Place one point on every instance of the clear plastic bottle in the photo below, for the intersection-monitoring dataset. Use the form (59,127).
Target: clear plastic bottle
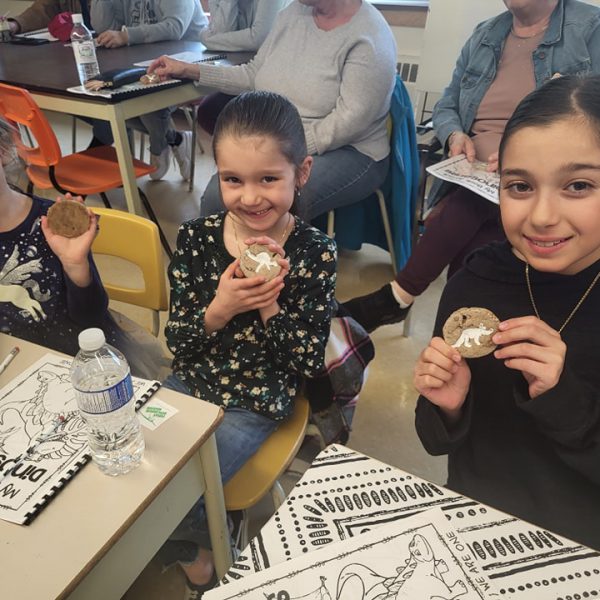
(84,49)
(102,382)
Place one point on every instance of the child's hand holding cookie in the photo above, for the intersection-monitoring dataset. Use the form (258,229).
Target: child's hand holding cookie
(531,346)
(70,229)
(443,377)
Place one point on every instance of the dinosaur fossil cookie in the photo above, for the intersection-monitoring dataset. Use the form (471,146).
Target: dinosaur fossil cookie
(68,218)
(470,331)
(259,260)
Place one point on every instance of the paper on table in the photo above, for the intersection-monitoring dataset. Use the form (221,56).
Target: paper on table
(416,557)
(130,87)
(38,34)
(43,442)
(472,176)
(154,413)
(186,57)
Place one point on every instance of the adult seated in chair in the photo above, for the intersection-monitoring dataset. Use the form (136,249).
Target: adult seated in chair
(129,22)
(335,60)
(235,26)
(505,58)
(41,12)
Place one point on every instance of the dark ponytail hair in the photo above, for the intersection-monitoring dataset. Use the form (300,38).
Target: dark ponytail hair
(263,114)
(568,97)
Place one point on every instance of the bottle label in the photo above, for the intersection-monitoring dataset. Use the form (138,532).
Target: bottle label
(105,401)
(85,52)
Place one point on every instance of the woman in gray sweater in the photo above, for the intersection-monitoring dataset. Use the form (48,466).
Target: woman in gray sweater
(335,60)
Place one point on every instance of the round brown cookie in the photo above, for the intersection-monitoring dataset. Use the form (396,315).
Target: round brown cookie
(259,260)
(149,78)
(68,218)
(470,331)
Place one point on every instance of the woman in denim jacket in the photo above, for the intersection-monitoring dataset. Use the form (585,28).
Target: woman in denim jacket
(505,58)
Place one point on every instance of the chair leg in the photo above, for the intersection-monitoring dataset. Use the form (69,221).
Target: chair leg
(194,128)
(155,323)
(388,230)
(277,494)
(74,134)
(331,224)
(407,325)
(243,533)
(105,200)
(152,216)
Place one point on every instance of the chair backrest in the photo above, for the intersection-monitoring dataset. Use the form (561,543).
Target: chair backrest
(18,107)
(264,468)
(136,240)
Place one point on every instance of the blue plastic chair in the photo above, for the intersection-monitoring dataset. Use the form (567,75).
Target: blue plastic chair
(387,223)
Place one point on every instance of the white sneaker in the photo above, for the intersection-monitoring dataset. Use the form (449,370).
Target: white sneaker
(183,155)
(161,162)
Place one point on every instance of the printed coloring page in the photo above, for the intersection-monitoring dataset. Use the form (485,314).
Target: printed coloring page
(418,558)
(43,440)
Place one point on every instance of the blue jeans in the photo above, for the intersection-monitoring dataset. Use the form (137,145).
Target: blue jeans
(156,124)
(338,178)
(239,436)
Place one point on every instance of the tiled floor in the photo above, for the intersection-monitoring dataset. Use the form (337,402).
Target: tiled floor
(383,426)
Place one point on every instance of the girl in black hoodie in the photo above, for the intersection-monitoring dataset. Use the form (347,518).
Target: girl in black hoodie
(521,426)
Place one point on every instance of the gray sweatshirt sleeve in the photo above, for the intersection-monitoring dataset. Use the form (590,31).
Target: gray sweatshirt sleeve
(233,80)
(367,82)
(177,16)
(223,32)
(174,18)
(107,15)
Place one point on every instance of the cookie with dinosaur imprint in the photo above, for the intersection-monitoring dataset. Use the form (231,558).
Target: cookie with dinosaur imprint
(470,331)
(259,260)
(68,218)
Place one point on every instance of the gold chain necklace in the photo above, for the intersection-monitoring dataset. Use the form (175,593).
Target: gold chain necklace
(286,231)
(575,308)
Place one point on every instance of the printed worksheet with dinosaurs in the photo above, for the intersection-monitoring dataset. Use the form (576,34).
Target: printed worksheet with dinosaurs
(417,558)
(472,176)
(43,441)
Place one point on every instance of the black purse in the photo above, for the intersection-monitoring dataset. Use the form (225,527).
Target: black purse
(115,78)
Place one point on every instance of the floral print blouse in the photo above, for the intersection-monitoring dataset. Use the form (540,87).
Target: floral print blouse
(247,364)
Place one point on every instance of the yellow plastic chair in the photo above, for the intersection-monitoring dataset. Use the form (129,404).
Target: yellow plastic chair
(263,470)
(136,240)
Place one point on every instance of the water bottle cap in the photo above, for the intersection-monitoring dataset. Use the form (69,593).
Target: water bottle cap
(91,339)
(77,18)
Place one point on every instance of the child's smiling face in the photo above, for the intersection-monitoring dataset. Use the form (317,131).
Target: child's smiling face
(550,195)
(257,181)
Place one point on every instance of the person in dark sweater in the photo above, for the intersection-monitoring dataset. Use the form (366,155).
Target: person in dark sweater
(521,426)
(244,343)
(49,286)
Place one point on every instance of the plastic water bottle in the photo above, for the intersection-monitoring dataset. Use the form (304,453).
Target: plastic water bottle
(84,49)
(102,382)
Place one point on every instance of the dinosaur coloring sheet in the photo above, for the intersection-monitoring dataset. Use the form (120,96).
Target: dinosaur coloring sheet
(43,440)
(418,558)
(472,176)
(346,494)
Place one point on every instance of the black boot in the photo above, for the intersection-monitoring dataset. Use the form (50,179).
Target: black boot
(376,309)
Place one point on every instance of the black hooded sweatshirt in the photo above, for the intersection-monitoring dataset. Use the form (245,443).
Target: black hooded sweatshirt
(538,459)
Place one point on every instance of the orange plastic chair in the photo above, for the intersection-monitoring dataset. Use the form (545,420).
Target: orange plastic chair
(92,171)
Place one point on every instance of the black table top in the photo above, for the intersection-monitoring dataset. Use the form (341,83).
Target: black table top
(51,67)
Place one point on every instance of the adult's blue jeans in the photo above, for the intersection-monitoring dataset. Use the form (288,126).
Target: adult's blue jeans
(156,124)
(338,178)
(239,436)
